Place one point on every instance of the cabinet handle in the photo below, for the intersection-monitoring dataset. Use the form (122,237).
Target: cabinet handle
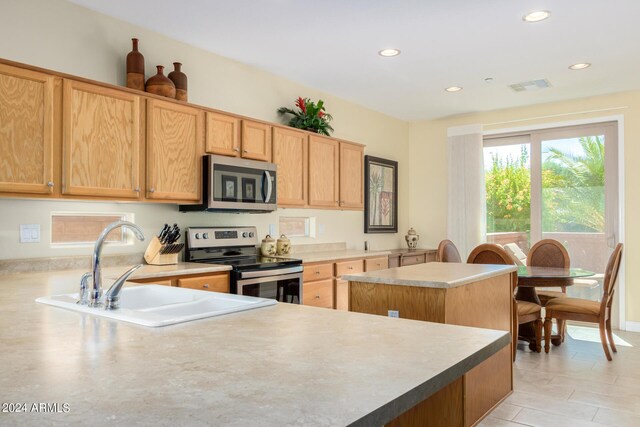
(206,286)
(50,184)
(317,296)
(317,272)
(350,267)
(152,190)
(237,150)
(137,189)
(244,151)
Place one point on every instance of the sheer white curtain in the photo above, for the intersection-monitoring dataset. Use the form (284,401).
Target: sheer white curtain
(466,222)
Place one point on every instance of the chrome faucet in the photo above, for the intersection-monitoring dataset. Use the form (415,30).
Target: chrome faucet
(112,297)
(96,289)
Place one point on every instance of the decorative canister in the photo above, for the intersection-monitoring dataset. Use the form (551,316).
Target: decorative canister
(180,80)
(412,238)
(283,245)
(161,84)
(135,68)
(268,247)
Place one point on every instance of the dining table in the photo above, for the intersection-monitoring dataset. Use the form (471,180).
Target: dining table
(530,278)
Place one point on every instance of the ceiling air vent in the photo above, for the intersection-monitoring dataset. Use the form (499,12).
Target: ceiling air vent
(530,85)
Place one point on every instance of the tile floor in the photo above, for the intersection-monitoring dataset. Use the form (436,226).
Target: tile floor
(574,385)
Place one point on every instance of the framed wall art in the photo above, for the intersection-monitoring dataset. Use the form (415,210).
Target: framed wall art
(381,195)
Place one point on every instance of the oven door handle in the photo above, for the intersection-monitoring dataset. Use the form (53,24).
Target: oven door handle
(245,282)
(269,273)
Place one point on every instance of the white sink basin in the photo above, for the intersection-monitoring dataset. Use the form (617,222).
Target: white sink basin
(156,305)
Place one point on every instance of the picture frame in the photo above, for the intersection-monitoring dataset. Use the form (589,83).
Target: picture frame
(248,190)
(229,188)
(380,195)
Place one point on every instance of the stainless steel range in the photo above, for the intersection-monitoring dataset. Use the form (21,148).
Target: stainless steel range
(251,274)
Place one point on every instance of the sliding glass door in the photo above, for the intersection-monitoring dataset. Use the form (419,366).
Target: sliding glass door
(563,186)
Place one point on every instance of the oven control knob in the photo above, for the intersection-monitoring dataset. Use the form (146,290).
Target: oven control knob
(251,234)
(245,234)
(197,235)
(205,235)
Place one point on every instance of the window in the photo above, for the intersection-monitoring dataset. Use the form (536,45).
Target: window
(297,226)
(75,228)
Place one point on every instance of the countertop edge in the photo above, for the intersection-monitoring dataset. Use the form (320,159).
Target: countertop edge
(408,400)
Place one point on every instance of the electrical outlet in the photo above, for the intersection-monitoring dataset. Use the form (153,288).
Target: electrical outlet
(272,230)
(321,230)
(29,233)
(394,313)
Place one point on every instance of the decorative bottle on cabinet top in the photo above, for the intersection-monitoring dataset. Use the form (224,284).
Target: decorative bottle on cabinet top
(412,239)
(180,80)
(135,68)
(161,84)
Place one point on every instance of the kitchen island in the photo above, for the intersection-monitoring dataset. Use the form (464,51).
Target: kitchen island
(280,365)
(452,293)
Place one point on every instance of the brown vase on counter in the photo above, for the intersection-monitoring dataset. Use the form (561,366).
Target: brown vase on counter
(161,84)
(135,68)
(179,79)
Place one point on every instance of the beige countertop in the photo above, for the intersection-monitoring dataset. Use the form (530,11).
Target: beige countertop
(321,256)
(275,366)
(159,271)
(432,274)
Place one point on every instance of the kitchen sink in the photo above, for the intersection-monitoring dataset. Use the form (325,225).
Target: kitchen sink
(156,305)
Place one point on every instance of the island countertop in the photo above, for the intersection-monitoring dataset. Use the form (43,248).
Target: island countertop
(432,274)
(280,365)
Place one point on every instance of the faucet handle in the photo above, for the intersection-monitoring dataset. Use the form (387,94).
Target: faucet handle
(112,297)
(83,296)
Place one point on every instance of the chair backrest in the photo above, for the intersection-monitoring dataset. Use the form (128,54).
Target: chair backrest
(447,252)
(548,253)
(611,276)
(489,253)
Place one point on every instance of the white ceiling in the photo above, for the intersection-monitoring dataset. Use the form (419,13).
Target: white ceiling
(332,45)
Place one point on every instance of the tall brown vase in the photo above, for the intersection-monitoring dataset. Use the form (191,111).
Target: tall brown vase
(161,84)
(180,80)
(135,68)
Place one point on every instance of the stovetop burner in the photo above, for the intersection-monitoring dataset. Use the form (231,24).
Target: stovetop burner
(252,263)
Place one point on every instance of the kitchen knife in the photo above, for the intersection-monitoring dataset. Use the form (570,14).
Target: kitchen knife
(163,233)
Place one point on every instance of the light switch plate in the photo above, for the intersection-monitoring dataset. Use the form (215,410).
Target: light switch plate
(29,233)
(272,230)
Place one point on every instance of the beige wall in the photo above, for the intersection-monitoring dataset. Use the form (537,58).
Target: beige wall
(428,145)
(61,36)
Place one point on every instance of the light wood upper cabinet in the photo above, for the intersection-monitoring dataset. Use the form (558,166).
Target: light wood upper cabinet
(26,131)
(223,134)
(101,141)
(324,154)
(256,141)
(290,153)
(351,176)
(175,143)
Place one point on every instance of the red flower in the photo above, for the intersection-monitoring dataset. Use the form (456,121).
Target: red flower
(320,114)
(301,104)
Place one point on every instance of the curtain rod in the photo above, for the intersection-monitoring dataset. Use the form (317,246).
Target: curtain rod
(556,115)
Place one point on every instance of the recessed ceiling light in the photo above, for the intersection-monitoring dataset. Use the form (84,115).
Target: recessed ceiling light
(389,52)
(580,66)
(536,16)
(453,89)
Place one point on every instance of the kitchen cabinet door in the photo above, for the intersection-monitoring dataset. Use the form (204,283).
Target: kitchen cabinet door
(101,141)
(323,172)
(26,131)
(213,283)
(342,294)
(223,134)
(351,176)
(318,294)
(175,143)
(290,153)
(256,141)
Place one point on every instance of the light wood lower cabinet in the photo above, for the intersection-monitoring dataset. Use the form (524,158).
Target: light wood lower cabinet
(101,141)
(318,294)
(373,264)
(290,153)
(342,294)
(256,141)
(215,283)
(403,257)
(223,134)
(26,131)
(175,143)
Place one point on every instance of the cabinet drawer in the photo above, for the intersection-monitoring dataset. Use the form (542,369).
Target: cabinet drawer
(165,282)
(317,272)
(217,283)
(318,294)
(373,264)
(349,267)
(413,259)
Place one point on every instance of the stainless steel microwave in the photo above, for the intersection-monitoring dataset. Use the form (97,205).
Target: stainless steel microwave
(234,185)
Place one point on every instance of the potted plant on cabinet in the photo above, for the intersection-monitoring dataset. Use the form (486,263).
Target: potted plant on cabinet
(309,116)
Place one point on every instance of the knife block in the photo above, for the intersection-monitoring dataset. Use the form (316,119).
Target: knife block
(153,256)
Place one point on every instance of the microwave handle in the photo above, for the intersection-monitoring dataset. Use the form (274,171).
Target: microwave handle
(266,177)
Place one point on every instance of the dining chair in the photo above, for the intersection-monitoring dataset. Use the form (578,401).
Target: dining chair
(549,253)
(523,311)
(587,310)
(447,252)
